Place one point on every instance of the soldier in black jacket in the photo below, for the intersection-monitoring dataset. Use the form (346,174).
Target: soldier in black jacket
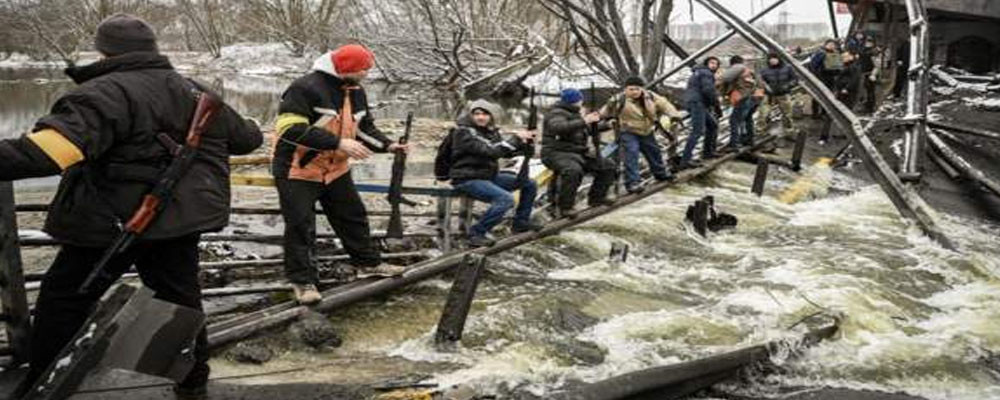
(101,136)
(476,144)
(565,136)
(323,122)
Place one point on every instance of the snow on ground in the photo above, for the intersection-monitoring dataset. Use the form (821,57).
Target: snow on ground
(983,102)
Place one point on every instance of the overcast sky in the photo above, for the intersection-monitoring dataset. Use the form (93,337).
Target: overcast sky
(798,11)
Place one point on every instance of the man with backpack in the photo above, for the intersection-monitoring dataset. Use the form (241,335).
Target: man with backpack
(780,80)
(639,112)
(827,64)
(468,158)
(702,100)
(323,121)
(565,150)
(112,139)
(743,89)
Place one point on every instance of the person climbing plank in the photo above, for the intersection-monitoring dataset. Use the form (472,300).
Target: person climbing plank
(323,122)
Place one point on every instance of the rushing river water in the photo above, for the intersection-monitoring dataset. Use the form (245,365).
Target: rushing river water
(917,318)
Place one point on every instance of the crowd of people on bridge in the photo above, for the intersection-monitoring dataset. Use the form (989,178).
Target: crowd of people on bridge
(109,139)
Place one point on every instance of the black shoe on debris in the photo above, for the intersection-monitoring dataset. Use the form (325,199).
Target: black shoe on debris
(569,213)
(691,164)
(481,241)
(527,227)
(600,202)
(664,178)
(634,188)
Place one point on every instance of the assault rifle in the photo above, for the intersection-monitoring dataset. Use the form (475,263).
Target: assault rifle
(395,229)
(529,149)
(156,200)
(595,132)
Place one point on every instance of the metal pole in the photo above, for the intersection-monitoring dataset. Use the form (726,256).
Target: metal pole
(833,19)
(12,292)
(916,96)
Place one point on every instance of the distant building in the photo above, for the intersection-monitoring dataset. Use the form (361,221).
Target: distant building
(964,33)
(782,31)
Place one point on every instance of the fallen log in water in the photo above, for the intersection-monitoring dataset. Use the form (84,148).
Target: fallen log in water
(229,331)
(963,166)
(678,380)
(952,127)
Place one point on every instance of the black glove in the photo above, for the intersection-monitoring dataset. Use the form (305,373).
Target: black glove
(718,111)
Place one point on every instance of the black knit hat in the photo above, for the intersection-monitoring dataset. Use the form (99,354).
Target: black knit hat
(634,81)
(123,33)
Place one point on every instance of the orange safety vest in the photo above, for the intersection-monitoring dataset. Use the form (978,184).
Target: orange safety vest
(328,165)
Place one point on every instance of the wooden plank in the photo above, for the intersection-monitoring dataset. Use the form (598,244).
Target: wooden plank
(906,200)
(760,177)
(12,292)
(963,166)
(459,302)
(339,297)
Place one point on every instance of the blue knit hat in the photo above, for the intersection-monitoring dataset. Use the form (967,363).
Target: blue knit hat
(570,96)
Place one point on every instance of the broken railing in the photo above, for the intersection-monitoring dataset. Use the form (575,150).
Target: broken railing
(906,200)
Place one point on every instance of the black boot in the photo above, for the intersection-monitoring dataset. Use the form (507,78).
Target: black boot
(527,227)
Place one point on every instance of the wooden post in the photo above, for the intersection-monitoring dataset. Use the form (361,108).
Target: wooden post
(760,178)
(444,222)
(465,214)
(12,292)
(463,291)
(800,148)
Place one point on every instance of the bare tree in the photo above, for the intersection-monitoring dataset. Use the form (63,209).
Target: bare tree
(300,24)
(601,39)
(208,19)
(64,27)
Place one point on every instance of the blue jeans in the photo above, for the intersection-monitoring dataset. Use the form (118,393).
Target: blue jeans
(497,193)
(702,123)
(646,144)
(741,122)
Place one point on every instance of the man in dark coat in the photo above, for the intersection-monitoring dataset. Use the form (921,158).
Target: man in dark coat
(476,145)
(780,80)
(566,152)
(323,121)
(701,97)
(102,138)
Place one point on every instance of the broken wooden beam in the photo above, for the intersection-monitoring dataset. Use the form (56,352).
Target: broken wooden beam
(459,301)
(663,382)
(963,166)
(35,207)
(959,128)
(906,200)
(760,178)
(41,239)
(226,332)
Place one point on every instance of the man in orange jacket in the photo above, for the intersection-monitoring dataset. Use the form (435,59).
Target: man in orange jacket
(323,123)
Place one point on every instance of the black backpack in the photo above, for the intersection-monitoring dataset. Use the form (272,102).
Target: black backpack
(442,162)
